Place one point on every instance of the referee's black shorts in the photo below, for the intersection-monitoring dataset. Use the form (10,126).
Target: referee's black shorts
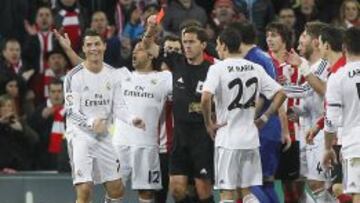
(193,151)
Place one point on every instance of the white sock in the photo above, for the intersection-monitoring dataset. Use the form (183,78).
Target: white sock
(113,200)
(250,198)
(227,201)
(324,196)
(146,200)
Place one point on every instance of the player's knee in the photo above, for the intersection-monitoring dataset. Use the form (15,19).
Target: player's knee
(316,185)
(203,188)
(83,192)
(146,194)
(178,190)
(227,195)
(115,189)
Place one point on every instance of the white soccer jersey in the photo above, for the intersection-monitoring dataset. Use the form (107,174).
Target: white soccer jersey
(311,104)
(343,107)
(320,69)
(89,96)
(145,94)
(236,84)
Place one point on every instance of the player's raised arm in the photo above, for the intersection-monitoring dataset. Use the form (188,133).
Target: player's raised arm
(65,43)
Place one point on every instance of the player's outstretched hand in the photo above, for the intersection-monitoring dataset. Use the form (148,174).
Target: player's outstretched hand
(212,128)
(151,20)
(63,40)
(310,135)
(139,123)
(100,126)
(329,159)
(293,58)
(259,123)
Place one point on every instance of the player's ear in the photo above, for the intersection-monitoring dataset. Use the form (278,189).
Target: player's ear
(203,45)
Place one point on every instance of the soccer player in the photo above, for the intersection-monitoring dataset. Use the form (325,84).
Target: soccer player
(90,101)
(145,90)
(310,109)
(237,84)
(271,134)
(342,96)
(278,38)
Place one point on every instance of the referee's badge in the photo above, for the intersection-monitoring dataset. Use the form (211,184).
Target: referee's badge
(199,87)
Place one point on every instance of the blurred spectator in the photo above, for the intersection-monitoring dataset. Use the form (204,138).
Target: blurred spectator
(279,4)
(12,16)
(120,15)
(12,66)
(349,14)
(34,5)
(223,14)
(288,18)
(70,18)
(45,121)
(39,43)
(148,10)
(134,27)
(100,24)
(41,40)
(171,43)
(23,105)
(97,5)
(11,62)
(58,65)
(17,139)
(306,12)
(125,58)
(181,10)
(260,13)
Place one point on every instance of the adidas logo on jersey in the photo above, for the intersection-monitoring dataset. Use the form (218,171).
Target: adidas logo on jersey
(203,171)
(180,80)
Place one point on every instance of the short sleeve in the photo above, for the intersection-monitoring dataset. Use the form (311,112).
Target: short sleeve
(268,86)
(212,80)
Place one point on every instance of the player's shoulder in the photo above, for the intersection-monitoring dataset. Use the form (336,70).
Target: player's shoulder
(164,74)
(121,72)
(74,72)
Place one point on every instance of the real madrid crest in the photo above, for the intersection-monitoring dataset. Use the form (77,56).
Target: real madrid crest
(108,86)
(153,81)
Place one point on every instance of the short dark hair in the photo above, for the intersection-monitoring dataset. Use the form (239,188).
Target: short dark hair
(7,40)
(172,38)
(231,38)
(314,28)
(351,40)
(283,31)
(200,33)
(189,23)
(92,33)
(334,36)
(247,31)
(56,81)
